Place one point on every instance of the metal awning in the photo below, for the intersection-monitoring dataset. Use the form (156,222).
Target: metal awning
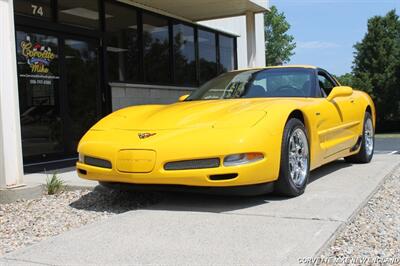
(196,10)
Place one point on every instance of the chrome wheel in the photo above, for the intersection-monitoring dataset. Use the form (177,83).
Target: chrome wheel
(298,157)
(369,136)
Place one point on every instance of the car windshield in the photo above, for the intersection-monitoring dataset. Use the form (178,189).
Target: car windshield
(272,82)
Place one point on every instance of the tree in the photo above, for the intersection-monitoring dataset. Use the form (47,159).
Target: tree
(377,66)
(346,79)
(279,45)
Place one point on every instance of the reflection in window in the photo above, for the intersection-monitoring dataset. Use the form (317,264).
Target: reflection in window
(207,56)
(79,13)
(156,48)
(34,8)
(38,77)
(280,82)
(184,55)
(226,53)
(81,69)
(122,46)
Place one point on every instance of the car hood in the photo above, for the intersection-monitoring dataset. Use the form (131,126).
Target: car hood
(235,113)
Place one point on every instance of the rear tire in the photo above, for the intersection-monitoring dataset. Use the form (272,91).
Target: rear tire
(295,160)
(367,144)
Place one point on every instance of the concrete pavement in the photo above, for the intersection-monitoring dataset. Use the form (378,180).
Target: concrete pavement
(203,229)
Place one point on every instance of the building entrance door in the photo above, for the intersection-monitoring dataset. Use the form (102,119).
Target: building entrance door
(59,93)
(82,88)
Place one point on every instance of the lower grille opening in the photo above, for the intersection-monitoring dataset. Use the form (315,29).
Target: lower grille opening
(223,177)
(193,164)
(97,162)
(83,172)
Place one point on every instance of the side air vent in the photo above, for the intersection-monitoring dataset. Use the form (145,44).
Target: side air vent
(193,164)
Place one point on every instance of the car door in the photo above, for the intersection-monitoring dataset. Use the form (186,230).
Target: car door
(339,121)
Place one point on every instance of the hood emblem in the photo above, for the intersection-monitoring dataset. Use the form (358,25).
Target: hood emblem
(146,135)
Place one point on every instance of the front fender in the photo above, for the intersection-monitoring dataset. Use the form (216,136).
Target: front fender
(277,117)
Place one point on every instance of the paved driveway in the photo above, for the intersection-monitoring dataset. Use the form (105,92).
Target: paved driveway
(387,144)
(200,229)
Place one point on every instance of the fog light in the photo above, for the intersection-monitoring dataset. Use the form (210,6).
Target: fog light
(242,158)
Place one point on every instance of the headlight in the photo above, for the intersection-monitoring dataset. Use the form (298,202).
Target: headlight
(242,158)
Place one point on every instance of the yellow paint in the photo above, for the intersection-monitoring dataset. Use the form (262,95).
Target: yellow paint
(214,129)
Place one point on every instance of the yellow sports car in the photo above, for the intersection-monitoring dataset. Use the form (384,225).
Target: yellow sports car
(246,132)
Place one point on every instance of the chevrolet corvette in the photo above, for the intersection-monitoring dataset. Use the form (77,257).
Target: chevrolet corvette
(247,132)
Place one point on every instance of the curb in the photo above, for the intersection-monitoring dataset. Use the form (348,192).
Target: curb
(35,191)
(28,192)
(343,225)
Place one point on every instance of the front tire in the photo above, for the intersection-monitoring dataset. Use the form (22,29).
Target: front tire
(295,160)
(367,144)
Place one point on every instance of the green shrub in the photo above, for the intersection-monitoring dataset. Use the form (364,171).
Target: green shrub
(54,184)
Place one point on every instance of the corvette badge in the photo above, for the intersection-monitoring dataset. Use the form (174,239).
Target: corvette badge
(145,135)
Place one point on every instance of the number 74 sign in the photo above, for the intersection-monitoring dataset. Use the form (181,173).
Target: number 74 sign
(37,10)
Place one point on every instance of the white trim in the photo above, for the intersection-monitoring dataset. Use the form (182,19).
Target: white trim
(251,39)
(261,3)
(155,10)
(11,169)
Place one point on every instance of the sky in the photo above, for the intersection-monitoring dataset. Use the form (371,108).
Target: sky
(326,30)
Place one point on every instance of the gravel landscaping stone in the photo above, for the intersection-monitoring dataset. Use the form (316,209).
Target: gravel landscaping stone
(374,233)
(29,221)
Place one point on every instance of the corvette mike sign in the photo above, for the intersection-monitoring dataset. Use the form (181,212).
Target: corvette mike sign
(37,56)
(38,59)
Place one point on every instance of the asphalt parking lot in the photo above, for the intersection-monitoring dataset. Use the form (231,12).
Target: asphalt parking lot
(387,145)
(187,229)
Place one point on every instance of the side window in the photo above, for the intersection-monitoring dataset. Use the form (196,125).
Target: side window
(257,86)
(325,84)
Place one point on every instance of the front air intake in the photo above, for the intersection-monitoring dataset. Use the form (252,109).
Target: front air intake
(97,162)
(223,177)
(193,164)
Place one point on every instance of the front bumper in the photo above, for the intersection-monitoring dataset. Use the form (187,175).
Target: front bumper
(180,145)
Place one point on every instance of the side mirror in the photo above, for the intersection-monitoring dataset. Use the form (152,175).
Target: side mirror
(340,91)
(183,97)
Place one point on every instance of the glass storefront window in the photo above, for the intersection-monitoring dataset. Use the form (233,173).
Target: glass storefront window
(156,49)
(38,86)
(122,43)
(81,69)
(184,55)
(34,8)
(148,53)
(83,14)
(207,55)
(226,53)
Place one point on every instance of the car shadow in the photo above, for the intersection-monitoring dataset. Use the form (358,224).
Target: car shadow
(102,199)
(119,201)
(327,169)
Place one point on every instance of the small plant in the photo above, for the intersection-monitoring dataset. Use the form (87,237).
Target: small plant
(54,184)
